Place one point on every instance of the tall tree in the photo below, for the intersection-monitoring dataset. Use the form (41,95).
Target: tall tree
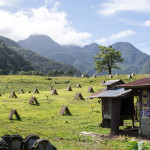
(107,59)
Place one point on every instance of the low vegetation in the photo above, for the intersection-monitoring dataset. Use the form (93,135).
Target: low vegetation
(44,120)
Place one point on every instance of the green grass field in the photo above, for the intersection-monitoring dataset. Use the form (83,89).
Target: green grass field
(63,131)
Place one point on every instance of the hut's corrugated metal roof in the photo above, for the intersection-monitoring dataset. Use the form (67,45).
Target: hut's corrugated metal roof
(117,92)
(110,82)
(136,84)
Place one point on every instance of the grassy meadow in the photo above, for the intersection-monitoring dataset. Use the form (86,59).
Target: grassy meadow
(63,131)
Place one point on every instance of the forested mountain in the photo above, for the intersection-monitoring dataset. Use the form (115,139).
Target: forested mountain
(82,57)
(73,55)
(11,61)
(41,44)
(39,62)
(134,60)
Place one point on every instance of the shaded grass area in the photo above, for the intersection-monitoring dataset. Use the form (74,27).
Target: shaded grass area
(45,121)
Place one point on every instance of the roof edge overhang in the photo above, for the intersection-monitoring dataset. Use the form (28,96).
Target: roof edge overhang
(133,87)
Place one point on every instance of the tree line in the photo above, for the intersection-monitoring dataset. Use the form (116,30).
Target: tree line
(52,73)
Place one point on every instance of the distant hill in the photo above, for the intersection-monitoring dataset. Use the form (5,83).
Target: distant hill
(42,44)
(11,61)
(82,57)
(134,60)
(39,62)
(73,55)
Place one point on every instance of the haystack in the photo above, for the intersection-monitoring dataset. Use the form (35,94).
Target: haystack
(94,76)
(64,110)
(21,91)
(110,76)
(54,92)
(78,85)
(82,76)
(103,82)
(51,88)
(79,96)
(12,94)
(12,113)
(129,76)
(90,90)
(32,100)
(69,88)
(35,91)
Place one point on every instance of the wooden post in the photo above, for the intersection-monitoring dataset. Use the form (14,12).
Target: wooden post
(115,116)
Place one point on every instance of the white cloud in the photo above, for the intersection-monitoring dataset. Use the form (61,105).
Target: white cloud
(9,2)
(115,37)
(147,23)
(113,6)
(52,22)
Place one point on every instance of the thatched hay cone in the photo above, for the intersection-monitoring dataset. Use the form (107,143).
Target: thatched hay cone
(90,90)
(78,85)
(54,92)
(79,96)
(69,88)
(21,91)
(12,94)
(64,110)
(32,100)
(12,113)
(35,91)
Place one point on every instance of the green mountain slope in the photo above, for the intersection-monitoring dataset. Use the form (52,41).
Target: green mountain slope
(39,62)
(10,60)
(82,57)
(134,60)
(73,55)
(42,44)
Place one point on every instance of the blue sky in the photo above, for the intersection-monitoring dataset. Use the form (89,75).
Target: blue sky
(78,22)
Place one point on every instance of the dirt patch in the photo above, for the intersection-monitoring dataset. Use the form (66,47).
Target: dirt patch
(123,136)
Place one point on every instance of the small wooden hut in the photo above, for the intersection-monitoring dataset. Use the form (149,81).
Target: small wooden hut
(117,105)
(141,89)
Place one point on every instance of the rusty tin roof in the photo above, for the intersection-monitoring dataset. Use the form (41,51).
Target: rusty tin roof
(145,82)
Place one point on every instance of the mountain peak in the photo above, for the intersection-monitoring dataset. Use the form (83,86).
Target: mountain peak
(41,44)
(125,46)
(34,36)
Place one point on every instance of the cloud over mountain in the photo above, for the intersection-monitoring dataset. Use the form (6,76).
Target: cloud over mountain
(43,20)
